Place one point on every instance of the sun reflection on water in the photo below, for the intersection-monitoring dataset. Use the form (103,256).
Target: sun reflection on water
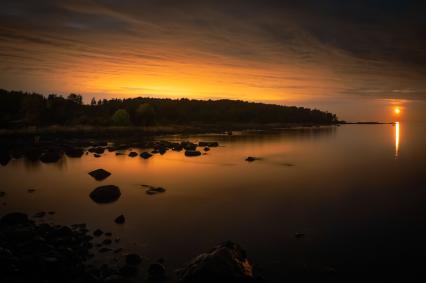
(396,139)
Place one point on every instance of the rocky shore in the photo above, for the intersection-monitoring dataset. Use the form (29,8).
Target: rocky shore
(31,252)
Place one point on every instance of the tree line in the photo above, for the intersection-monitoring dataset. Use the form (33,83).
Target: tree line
(20,109)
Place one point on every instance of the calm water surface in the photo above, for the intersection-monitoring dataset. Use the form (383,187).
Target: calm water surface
(357,192)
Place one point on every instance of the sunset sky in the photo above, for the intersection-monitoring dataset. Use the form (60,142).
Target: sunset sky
(359,59)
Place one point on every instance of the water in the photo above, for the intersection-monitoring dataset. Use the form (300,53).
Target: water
(357,192)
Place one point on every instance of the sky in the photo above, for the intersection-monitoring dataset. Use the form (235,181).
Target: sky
(358,59)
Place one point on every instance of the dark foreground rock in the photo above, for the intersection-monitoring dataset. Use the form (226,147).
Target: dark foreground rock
(120,219)
(100,174)
(105,194)
(227,262)
(31,252)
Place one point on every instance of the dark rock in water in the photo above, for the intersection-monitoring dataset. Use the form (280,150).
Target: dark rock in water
(14,218)
(2,194)
(119,153)
(251,159)
(154,190)
(4,158)
(157,272)
(98,150)
(145,155)
(227,262)
(40,214)
(206,148)
(188,145)
(31,191)
(133,259)
(208,144)
(50,212)
(108,234)
(120,219)
(99,174)
(133,154)
(105,194)
(299,235)
(50,157)
(192,153)
(97,232)
(97,155)
(74,152)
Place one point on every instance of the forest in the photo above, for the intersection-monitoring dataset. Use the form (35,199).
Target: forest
(21,109)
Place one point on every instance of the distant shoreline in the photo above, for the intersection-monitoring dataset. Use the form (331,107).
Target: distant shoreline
(161,130)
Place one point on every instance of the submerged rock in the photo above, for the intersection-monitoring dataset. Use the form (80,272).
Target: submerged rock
(208,144)
(145,155)
(105,194)
(251,159)
(154,190)
(227,262)
(192,153)
(133,154)
(120,219)
(50,157)
(100,174)
(74,152)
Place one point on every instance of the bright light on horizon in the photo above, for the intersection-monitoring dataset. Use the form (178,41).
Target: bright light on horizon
(397,110)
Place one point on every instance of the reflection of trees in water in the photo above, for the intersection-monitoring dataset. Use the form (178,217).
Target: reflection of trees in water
(301,133)
(34,166)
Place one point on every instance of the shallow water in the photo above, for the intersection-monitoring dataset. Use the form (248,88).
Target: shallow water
(357,192)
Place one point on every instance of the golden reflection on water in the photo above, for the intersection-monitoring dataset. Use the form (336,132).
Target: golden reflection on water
(396,139)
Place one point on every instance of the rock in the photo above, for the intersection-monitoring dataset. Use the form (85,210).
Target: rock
(154,190)
(188,145)
(74,152)
(208,144)
(206,148)
(133,259)
(299,235)
(145,155)
(192,153)
(2,194)
(50,157)
(99,174)
(50,212)
(108,234)
(98,150)
(31,190)
(104,250)
(120,219)
(97,155)
(97,232)
(251,159)
(157,271)
(15,218)
(105,194)
(227,262)
(39,214)
(133,154)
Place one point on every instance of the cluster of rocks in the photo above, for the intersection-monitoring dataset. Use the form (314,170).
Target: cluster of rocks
(31,252)
(53,151)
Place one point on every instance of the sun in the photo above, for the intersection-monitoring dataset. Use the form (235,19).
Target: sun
(397,110)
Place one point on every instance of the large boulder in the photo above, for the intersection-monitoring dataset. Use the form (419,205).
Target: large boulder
(227,262)
(105,194)
(99,174)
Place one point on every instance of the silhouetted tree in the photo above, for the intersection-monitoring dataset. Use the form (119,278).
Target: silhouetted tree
(121,118)
(145,115)
(93,102)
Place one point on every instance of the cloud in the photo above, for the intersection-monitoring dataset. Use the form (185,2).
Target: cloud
(254,49)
